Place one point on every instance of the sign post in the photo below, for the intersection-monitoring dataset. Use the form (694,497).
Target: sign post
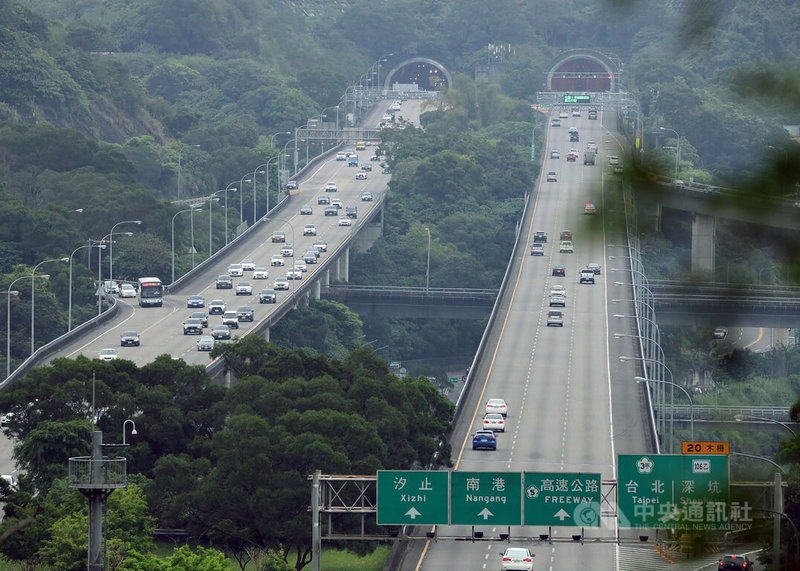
(562,499)
(485,498)
(412,497)
(672,491)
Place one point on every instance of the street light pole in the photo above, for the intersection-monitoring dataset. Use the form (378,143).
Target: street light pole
(33,293)
(9,292)
(533,142)
(241,197)
(428,268)
(672,414)
(69,311)
(677,150)
(111,249)
(256,171)
(276,157)
(133,430)
(226,208)
(210,200)
(192,209)
(180,152)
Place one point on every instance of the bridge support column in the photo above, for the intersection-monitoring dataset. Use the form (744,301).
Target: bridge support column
(315,289)
(265,334)
(345,275)
(336,272)
(326,278)
(703,232)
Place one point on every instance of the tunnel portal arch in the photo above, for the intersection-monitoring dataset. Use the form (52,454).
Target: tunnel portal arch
(583,70)
(425,73)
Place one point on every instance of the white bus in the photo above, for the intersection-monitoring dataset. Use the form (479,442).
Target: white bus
(151,292)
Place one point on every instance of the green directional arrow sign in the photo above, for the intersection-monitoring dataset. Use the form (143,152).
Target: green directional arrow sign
(485,498)
(562,499)
(412,497)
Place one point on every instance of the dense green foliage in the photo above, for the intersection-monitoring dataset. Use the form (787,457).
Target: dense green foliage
(290,413)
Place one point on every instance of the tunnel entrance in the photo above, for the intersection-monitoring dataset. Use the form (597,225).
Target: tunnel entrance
(586,71)
(418,73)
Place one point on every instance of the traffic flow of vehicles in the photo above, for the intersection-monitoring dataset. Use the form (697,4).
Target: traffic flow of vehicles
(151,292)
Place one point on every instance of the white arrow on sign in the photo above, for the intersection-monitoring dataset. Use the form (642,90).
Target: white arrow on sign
(485,513)
(561,514)
(412,513)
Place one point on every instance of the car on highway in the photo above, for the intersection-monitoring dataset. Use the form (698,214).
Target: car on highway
(245,313)
(277,260)
(224,281)
(720,332)
(366,167)
(374,157)
(558,289)
(341,157)
(221,332)
(484,439)
(323,199)
(193,326)
(366,196)
(572,156)
(736,563)
(589,208)
(287,251)
(336,202)
(555,122)
(267,295)
(345,222)
(386,170)
(576,112)
(108,355)
(230,319)
(216,307)
(618,169)
(310,230)
(555,154)
(498,406)
(591,146)
(321,245)
(111,286)
(494,422)
(516,559)
(361,175)
(205,343)
(278,236)
(244,288)
(260,274)
(540,236)
(280,283)
(565,235)
(331,211)
(586,276)
(301,265)
(195,301)
(594,266)
(563,115)
(552,176)
(129,339)
(613,160)
(235,270)
(127,290)
(559,271)
(314,250)
(566,247)
(309,258)
(248,265)
(294,274)
(557,301)
(537,249)
(555,318)
(330,187)
(291,185)
(306,211)
(201,315)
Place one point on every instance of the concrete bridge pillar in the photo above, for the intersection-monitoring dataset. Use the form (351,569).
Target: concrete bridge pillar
(345,275)
(266,333)
(326,278)
(336,269)
(315,289)
(703,232)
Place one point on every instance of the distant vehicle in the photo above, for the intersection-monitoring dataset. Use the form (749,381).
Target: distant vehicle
(314,250)
(592,146)
(195,301)
(336,202)
(595,267)
(566,247)
(267,296)
(555,318)
(127,290)
(555,122)
(111,287)
(321,245)
(516,559)
(592,114)
(260,274)
(498,406)
(216,307)
(540,236)
(330,187)
(292,186)
(586,276)
(558,289)
(613,160)
(572,156)
(248,265)
(236,270)
(301,265)
(323,199)
(537,249)
(341,157)
(484,439)
(720,332)
(331,211)
(287,251)
(736,563)
(563,115)
(361,175)
(202,316)
(245,313)
(277,260)
(565,235)
(280,283)
(231,319)
(555,155)
(361,146)
(352,161)
(588,158)
(108,355)
(494,422)
(345,222)
(366,167)
(310,258)
(557,301)
(278,236)
(205,343)
(129,339)
(244,288)
(193,326)
(309,230)
(221,332)
(559,271)
(351,211)
(224,282)
(552,176)
(151,292)
(618,169)
(306,211)
(374,157)
(576,112)
(589,208)
(294,274)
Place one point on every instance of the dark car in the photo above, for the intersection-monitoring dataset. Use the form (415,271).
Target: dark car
(306,210)
(193,327)
(540,236)
(267,296)
(202,316)
(129,339)
(224,282)
(279,236)
(331,211)
(484,439)
(196,301)
(221,332)
(736,562)
(245,313)
(559,271)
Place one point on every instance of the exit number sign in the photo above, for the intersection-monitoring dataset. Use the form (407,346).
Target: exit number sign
(706,448)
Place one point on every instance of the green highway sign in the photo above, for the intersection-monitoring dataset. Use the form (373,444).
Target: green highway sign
(673,491)
(562,499)
(412,497)
(485,498)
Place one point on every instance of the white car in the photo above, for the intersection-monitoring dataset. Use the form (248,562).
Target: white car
(127,290)
(336,202)
(294,274)
(361,175)
(330,187)
(287,251)
(558,290)
(244,288)
(108,354)
(309,230)
(260,274)
(341,157)
(516,558)
(563,115)
(235,270)
(300,265)
(321,245)
(277,260)
(613,160)
(497,406)
(495,422)
(248,265)
(280,283)
(345,222)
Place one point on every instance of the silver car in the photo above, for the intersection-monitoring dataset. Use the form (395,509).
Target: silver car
(244,288)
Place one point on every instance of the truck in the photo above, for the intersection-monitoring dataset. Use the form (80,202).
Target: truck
(588,157)
(352,161)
